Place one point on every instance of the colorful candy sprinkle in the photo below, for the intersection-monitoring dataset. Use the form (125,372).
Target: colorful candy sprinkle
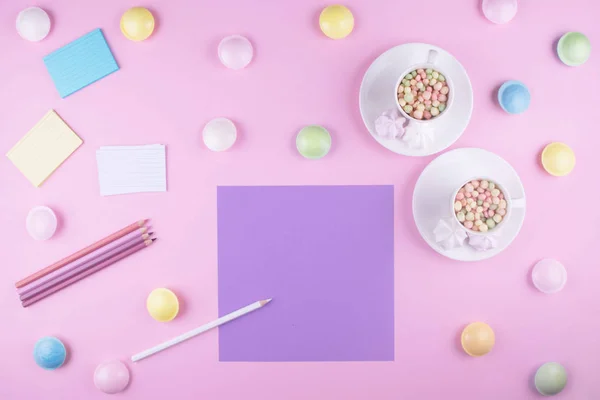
(480,205)
(423,93)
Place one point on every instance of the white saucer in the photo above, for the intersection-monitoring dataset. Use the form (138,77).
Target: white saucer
(431,198)
(377,95)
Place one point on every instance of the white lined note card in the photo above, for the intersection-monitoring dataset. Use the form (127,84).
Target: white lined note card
(131,169)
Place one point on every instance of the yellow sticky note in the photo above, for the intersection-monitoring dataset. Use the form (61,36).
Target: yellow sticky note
(44,148)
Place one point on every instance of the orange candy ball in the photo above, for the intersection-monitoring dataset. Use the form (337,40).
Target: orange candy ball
(477,339)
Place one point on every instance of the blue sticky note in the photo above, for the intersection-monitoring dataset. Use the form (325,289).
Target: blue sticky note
(80,63)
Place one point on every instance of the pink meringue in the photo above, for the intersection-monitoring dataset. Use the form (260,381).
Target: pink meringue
(390,124)
(483,242)
(450,235)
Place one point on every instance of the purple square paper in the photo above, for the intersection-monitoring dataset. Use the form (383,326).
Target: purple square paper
(325,254)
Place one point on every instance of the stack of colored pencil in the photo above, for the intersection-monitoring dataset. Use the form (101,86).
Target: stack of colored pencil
(85,262)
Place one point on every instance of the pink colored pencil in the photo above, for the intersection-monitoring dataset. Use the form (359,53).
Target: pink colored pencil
(81,253)
(88,272)
(76,267)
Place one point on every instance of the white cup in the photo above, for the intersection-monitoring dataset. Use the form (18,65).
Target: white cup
(510,204)
(429,63)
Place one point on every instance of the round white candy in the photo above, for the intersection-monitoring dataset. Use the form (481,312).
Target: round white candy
(499,11)
(549,276)
(33,24)
(235,52)
(219,134)
(41,223)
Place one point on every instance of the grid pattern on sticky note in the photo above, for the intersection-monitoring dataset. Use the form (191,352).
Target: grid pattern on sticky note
(44,148)
(80,63)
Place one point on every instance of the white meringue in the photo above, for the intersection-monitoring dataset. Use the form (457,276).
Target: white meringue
(448,234)
(418,136)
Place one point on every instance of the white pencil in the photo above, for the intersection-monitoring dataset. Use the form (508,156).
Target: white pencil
(201,329)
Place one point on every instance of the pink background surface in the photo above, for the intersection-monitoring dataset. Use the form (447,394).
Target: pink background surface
(171,85)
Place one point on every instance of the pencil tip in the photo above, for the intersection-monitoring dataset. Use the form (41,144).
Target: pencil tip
(263,302)
(153,239)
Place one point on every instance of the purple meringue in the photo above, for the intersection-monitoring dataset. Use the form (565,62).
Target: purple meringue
(390,124)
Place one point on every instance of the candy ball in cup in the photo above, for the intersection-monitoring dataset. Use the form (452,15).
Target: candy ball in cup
(423,93)
(480,205)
